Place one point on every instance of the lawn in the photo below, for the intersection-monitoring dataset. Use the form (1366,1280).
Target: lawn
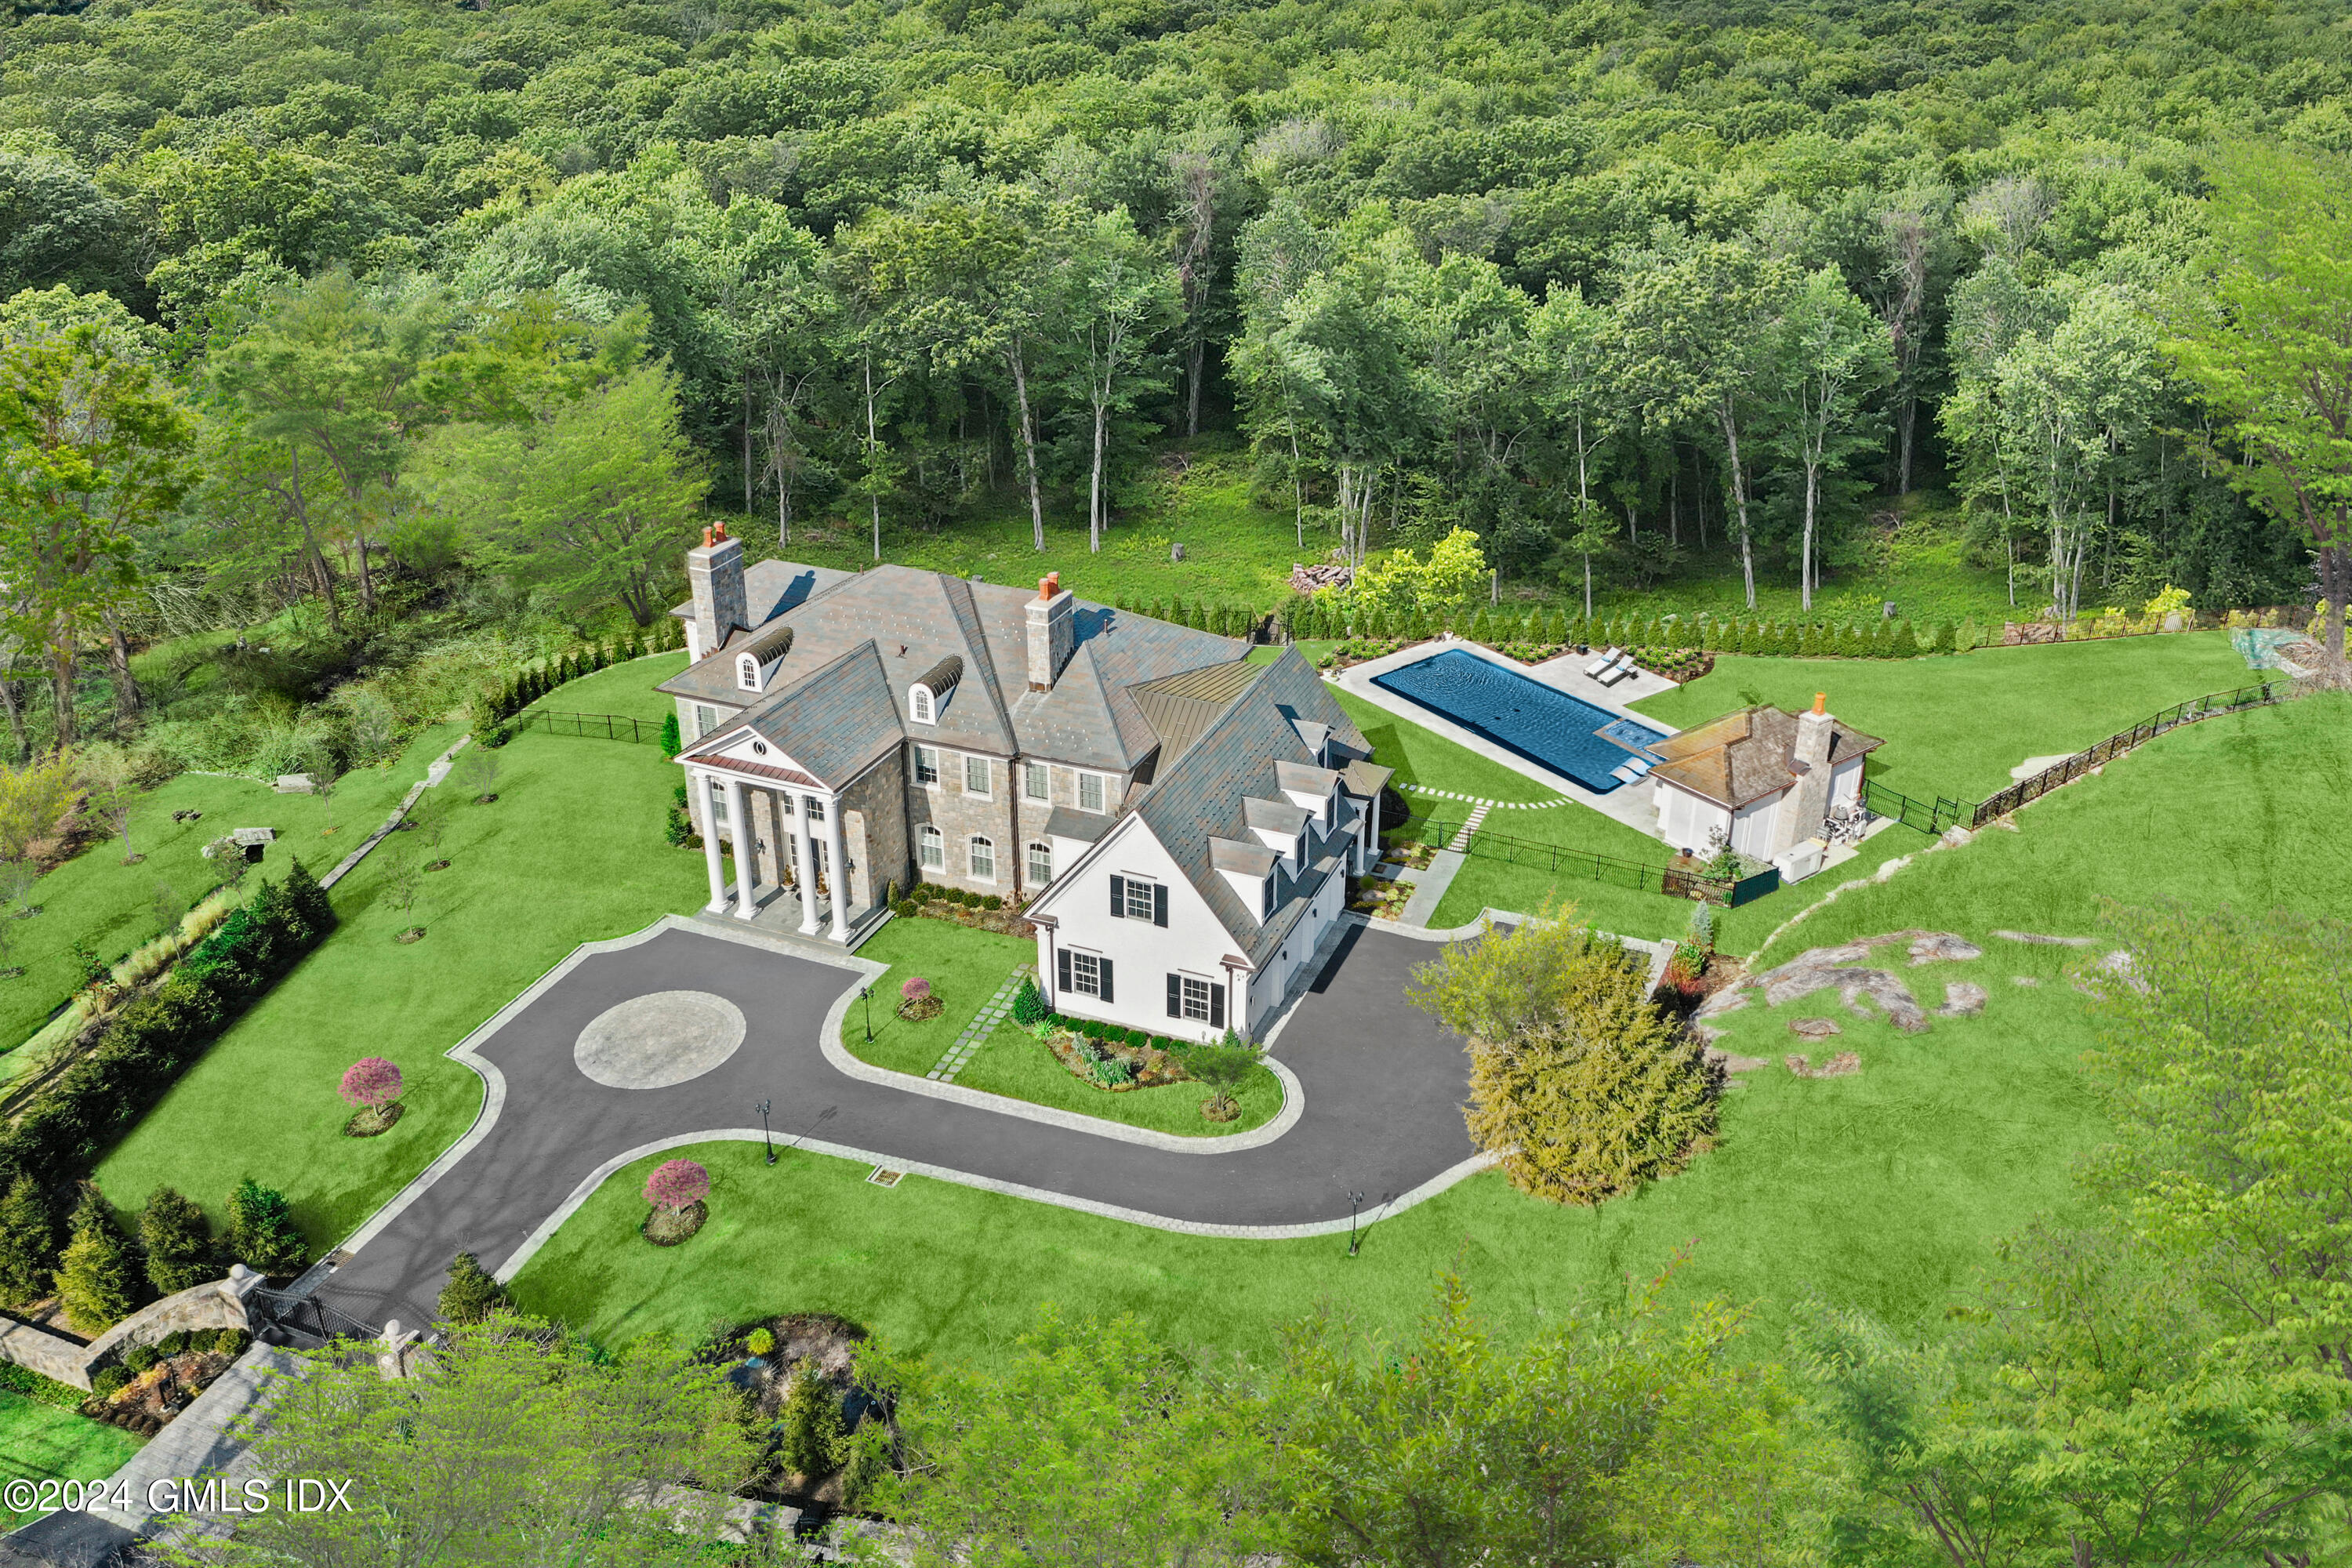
(1235,551)
(625,689)
(1955,726)
(41,1442)
(965,967)
(570,852)
(1884,1189)
(1955,1137)
(95,898)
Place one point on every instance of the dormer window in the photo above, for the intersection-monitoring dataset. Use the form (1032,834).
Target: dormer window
(930,691)
(922,706)
(747,673)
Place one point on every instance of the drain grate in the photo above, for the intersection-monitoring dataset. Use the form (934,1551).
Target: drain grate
(884,1177)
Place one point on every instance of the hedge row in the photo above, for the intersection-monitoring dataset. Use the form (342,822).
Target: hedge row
(1322,619)
(1224,620)
(666,633)
(144,1047)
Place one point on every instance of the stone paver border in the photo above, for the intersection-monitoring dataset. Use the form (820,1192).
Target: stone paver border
(993,1012)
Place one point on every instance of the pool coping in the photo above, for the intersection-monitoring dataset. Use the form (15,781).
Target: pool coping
(1632,805)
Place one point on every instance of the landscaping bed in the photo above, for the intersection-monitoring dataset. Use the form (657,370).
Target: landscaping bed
(1379,897)
(1014,1063)
(153,1384)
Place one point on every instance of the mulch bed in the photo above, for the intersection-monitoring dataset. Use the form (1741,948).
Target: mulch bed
(922,1009)
(1004,923)
(374,1121)
(668,1227)
(161,1392)
(1154,1069)
(806,1342)
(414,933)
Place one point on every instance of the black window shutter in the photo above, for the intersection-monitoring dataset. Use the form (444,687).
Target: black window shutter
(1117,897)
(1217,1004)
(1159,904)
(1175,995)
(1063,955)
(1106,980)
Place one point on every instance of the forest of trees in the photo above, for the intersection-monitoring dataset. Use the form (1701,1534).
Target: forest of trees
(1624,290)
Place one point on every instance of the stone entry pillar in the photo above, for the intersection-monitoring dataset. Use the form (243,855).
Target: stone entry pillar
(747,854)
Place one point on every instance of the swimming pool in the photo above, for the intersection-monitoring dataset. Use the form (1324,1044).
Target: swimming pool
(1545,725)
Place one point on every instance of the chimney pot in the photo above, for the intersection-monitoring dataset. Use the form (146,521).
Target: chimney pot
(1821,701)
(706,541)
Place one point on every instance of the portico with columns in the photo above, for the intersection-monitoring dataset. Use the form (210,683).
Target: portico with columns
(795,832)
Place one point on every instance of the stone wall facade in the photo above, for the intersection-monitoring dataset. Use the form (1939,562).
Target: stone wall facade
(216,1304)
(874,832)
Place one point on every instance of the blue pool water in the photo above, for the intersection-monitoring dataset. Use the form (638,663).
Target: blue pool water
(1546,726)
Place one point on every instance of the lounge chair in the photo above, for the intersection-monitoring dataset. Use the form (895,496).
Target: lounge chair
(1592,671)
(1618,671)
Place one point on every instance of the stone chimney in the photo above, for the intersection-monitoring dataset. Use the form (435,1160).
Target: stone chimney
(1808,802)
(1052,631)
(715,569)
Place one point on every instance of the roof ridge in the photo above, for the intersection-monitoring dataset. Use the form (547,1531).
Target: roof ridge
(958,593)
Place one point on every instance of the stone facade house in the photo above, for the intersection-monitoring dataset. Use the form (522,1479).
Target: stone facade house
(1764,778)
(850,732)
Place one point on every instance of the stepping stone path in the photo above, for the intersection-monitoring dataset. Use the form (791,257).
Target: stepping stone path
(995,1011)
(1480,799)
(1461,845)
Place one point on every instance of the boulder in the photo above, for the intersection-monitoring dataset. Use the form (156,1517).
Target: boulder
(1962,1000)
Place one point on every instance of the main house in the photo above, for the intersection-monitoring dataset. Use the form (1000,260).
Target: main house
(1180,823)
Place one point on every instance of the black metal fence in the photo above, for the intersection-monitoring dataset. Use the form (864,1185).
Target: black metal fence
(1929,817)
(1586,865)
(2211,706)
(305,1320)
(599,726)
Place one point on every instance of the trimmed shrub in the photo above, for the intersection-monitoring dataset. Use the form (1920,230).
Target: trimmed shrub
(142,1359)
(1905,643)
(1948,638)
(98,1278)
(759,1342)
(29,1243)
(261,1231)
(990,901)
(108,1380)
(178,1242)
(811,1441)
(232,1341)
(173,1345)
(672,742)
(1028,1004)
(471,1294)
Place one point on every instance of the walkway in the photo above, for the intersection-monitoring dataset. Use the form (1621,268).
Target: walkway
(993,1012)
(1376,1110)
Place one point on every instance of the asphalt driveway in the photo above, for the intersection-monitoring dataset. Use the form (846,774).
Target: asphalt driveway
(1382,1086)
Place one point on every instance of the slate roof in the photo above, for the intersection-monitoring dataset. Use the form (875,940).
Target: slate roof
(915,620)
(772,587)
(1204,795)
(1068,822)
(834,722)
(1745,755)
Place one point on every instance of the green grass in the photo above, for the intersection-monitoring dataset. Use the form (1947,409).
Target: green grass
(1956,1136)
(1957,726)
(965,967)
(1014,1062)
(570,852)
(95,898)
(1884,1190)
(40,1442)
(625,689)
(1235,551)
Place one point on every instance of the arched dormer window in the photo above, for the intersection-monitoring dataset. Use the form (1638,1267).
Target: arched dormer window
(930,691)
(747,673)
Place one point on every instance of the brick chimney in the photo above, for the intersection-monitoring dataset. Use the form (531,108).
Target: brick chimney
(1807,804)
(715,569)
(1052,631)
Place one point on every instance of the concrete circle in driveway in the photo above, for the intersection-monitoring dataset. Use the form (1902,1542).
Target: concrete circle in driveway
(661,1038)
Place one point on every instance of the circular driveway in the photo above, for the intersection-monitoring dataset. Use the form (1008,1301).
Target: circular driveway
(1383,1089)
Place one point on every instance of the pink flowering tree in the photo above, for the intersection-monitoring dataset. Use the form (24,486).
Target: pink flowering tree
(677,1184)
(916,988)
(371,1081)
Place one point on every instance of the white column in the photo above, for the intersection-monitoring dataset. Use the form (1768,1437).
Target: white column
(804,852)
(700,782)
(747,854)
(839,874)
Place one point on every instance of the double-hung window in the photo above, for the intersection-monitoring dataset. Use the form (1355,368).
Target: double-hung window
(1090,792)
(1085,973)
(705,721)
(983,859)
(1196,1001)
(1266,899)
(927,764)
(1133,899)
(1034,781)
(931,849)
(1041,863)
(975,776)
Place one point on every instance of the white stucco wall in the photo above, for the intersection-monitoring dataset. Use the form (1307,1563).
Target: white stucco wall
(1846,783)
(1193,943)
(1751,826)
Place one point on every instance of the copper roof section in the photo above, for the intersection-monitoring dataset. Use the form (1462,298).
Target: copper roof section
(759,771)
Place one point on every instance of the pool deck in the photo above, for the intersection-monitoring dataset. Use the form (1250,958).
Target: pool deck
(1631,804)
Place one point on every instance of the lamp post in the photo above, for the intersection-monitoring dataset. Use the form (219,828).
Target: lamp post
(865,995)
(1354,1199)
(765,1136)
